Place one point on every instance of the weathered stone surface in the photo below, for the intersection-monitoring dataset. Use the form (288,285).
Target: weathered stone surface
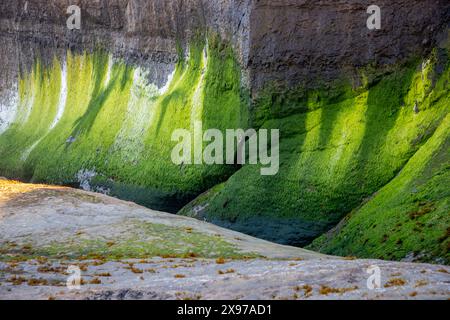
(161,279)
(289,41)
(33,216)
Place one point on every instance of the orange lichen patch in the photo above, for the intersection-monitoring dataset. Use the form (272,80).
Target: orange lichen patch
(98,263)
(168,256)
(196,297)
(220,261)
(247,258)
(188,230)
(413,294)
(103,274)
(325,290)
(421,283)
(83,266)
(96,256)
(51,298)
(186,296)
(395,282)
(17,281)
(49,269)
(443,270)
(95,281)
(306,288)
(136,270)
(42,260)
(226,271)
(190,255)
(179,276)
(37,282)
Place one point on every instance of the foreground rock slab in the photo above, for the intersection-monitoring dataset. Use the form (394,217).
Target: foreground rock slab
(45,230)
(205,279)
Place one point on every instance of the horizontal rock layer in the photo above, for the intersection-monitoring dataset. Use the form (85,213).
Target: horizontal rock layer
(288,41)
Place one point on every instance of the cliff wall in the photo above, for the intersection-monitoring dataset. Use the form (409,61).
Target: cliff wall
(358,110)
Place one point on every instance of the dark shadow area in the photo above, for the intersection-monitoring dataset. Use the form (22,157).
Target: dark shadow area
(176,96)
(86,121)
(100,95)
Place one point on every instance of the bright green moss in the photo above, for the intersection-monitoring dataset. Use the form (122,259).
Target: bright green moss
(409,217)
(118,127)
(39,97)
(333,155)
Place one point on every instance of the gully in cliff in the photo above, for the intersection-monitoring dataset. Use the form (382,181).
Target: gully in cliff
(234,140)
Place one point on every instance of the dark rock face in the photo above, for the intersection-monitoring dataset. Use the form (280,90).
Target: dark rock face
(289,41)
(297,41)
(141,31)
(293,232)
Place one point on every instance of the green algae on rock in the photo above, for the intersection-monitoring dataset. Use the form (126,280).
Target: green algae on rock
(95,121)
(336,151)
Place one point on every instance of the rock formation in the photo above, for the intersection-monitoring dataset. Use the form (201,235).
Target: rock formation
(363,114)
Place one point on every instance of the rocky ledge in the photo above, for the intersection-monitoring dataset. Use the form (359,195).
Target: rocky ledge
(124,251)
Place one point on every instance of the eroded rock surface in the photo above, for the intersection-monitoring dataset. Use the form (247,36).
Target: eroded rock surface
(287,41)
(46,229)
